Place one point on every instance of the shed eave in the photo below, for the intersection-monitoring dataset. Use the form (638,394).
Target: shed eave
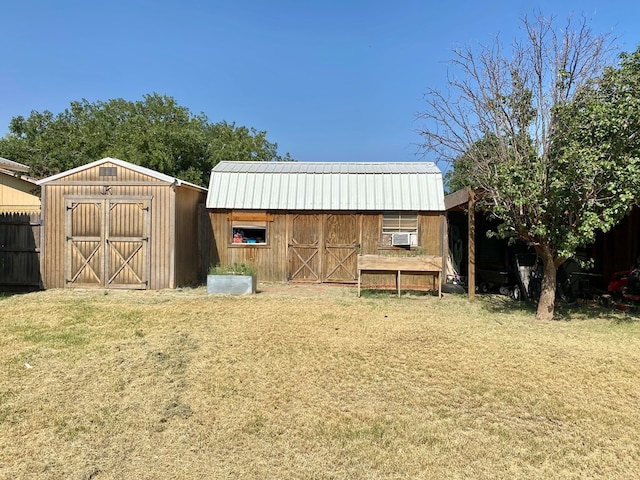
(13,166)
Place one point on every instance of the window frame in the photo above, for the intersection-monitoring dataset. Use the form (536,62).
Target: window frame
(402,219)
(255,221)
(239,225)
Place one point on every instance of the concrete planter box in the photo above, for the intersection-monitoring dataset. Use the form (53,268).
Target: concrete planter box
(231,284)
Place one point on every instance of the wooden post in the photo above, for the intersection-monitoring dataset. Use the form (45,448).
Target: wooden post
(471,273)
(444,252)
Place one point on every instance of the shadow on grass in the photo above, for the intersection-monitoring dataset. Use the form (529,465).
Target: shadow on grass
(8,291)
(5,295)
(589,310)
(504,304)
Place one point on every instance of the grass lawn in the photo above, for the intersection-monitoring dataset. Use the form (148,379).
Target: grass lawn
(313,383)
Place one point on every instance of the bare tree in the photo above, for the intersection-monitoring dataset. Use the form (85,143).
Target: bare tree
(498,117)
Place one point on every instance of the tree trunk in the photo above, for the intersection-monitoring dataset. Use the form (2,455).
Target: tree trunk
(547,302)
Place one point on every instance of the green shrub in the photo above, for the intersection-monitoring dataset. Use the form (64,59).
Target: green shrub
(233,269)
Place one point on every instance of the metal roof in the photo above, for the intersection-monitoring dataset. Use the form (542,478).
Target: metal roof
(121,163)
(408,186)
(14,166)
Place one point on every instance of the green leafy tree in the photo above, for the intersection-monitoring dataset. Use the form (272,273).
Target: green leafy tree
(600,146)
(155,132)
(510,116)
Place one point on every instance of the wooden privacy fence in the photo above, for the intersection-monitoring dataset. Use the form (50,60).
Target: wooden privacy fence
(20,251)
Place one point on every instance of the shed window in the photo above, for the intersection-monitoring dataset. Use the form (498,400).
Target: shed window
(248,234)
(395,222)
(249,227)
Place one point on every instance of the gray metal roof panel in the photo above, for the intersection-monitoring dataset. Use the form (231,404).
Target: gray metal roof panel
(327,167)
(326,186)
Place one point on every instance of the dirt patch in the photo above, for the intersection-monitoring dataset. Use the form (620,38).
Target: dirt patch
(334,290)
(307,289)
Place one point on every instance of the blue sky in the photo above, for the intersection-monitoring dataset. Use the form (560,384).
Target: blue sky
(328,80)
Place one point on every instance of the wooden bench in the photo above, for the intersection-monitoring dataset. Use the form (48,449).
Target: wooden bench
(421,264)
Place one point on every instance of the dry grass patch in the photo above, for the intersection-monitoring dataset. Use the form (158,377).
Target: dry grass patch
(312,382)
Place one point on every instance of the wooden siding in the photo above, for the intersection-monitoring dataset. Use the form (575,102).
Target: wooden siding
(17,195)
(123,176)
(107,241)
(342,233)
(335,237)
(270,260)
(430,230)
(304,246)
(20,251)
(187,256)
(53,214)
(206,242)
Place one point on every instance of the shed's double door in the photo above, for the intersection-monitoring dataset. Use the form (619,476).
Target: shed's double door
(323,247)
(107,242)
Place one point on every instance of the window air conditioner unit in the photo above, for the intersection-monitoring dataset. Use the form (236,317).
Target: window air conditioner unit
(401,239)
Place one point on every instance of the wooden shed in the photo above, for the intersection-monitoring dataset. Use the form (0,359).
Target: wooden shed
(113,224)
(308,222)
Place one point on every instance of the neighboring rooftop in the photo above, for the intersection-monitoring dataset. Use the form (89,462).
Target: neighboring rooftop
(13,166)
(401,186)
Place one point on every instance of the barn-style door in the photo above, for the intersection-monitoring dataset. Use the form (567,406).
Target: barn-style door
(341,245)
(126,242)
(323,247)
(304,248)
(107,242)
